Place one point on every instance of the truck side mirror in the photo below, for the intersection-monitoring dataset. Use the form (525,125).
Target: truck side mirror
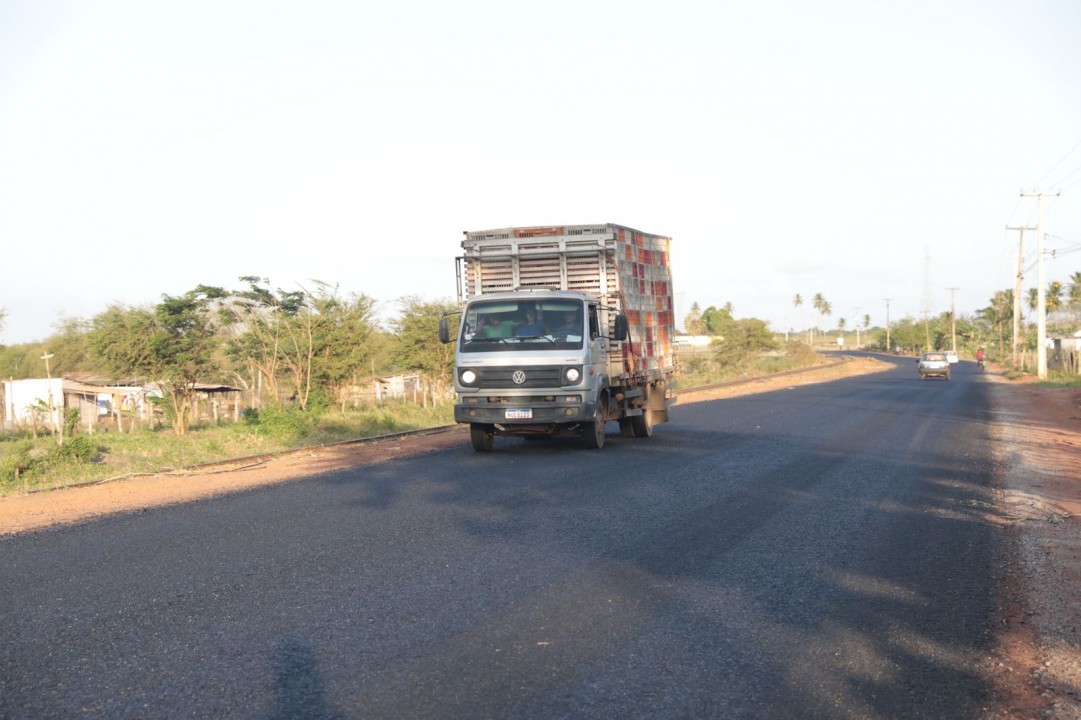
(622,327)
(444,330)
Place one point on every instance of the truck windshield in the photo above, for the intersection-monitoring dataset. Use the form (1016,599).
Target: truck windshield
(517,325)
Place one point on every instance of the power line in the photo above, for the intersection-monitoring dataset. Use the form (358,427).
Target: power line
(1055,166)
(1067,176)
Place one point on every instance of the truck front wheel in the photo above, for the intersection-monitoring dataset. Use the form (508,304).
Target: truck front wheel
(482,437)
(593,434)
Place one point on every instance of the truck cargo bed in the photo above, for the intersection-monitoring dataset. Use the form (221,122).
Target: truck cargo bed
(626,269)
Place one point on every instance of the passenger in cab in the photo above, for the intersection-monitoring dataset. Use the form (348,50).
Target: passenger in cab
(531,327)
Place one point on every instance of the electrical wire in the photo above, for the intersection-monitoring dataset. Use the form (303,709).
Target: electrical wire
(1062,181)
(1055,166)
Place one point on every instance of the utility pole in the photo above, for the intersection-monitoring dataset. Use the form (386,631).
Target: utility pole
(1017,295)
(888,346)
(1041,293)
(953,317)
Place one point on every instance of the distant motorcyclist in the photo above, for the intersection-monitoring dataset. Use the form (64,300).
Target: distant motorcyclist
(979,358)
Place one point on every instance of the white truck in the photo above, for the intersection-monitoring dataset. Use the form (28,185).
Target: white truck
(562,329)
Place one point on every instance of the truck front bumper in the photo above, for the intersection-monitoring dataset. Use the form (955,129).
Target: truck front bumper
(506,411)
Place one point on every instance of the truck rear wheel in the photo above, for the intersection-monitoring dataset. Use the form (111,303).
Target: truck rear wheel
(482,438)
(643,424)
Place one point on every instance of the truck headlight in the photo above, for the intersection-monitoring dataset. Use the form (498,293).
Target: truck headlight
(468,377)
(572,375)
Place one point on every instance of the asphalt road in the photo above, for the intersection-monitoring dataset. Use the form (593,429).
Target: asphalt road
(814,552)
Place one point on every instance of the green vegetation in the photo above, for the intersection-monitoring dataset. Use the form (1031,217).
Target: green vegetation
(29,464)
(304,361)
(991,328)
(716,364)
(1060,379)
(740,348)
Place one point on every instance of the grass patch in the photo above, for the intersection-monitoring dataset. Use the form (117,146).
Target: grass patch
(705,369)
(32,464)
(1058,379)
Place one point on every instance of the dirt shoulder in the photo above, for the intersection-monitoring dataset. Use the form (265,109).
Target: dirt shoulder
(1036,662)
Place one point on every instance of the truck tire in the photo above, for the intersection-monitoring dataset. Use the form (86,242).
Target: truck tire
(626,427)
(482,438)
(643,424)
(593,434)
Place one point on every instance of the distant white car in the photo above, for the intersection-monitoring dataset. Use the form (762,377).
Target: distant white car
(951,356)
(934,364)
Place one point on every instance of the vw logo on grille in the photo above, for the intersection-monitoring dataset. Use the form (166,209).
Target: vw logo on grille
(518,377)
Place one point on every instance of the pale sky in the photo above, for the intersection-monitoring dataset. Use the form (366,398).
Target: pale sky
(864,150)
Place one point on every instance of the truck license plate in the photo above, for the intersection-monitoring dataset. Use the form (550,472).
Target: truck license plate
(526,414)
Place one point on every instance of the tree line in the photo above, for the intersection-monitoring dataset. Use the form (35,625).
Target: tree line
(307,347)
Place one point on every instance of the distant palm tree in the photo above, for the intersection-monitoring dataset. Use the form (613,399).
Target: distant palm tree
(998,314)
(1074,295)
(825,309)
(798,302)
(1053,297)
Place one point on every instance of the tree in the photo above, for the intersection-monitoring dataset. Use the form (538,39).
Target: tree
(255,319)
(1073,296)
(998,315)
(69,346)
(741,340)
(716,321)
(345,346)
(302,334)
(416,345)
(797,301)
(692,324)
(822,305)
(1053,296)
(171,344)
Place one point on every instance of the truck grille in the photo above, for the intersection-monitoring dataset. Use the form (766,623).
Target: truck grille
(543,376)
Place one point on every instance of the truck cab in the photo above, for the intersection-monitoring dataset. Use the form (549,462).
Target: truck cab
(531,363)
